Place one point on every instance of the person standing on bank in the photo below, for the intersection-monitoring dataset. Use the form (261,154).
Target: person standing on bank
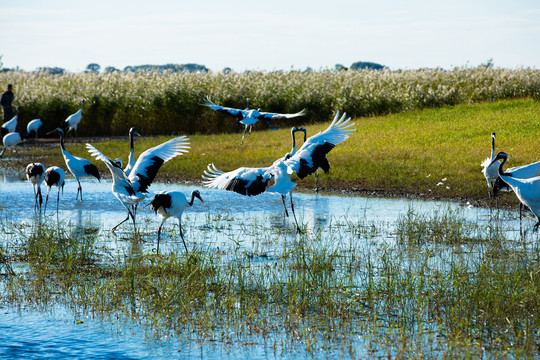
(6,102)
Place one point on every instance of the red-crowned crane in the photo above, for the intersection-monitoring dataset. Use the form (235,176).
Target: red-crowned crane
(73,120)
(526,190)
(54,176)
(79,167)
(34,125)
(35,173)
(11,140)
(310,157)
(11,125)
(131,190)
(490,167)
(131,157)
(172,204)
(249,117)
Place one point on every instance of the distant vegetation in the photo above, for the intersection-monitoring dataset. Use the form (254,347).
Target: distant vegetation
(159,102)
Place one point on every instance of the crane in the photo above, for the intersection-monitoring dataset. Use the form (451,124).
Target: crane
(35,173)
(11,140)
(168,204)
(73,120)
(249,117)
(11,125)
(526,190)
(54,176)
(79,167)
(490,167)
(131,190)
(34,125)
(310,157)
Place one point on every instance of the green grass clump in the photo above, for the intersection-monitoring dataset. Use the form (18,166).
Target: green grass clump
(420,294)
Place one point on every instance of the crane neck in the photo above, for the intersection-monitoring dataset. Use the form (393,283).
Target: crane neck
(293,150)
(192,198)
(500,170)
(62,141)
(493,147)
(131,140)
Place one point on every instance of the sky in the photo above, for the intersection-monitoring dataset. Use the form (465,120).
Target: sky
(269,35)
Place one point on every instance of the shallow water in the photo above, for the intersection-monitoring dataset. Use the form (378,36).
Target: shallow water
(223,223)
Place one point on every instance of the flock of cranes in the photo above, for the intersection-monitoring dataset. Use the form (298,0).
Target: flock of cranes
(130,185)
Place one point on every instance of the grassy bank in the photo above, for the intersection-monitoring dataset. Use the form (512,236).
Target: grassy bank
(404,154)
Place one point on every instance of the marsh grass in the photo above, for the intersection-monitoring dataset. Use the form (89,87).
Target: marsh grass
(171,103)
(444,287)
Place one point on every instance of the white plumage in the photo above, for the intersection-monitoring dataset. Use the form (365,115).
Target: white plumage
(131,157)
(73,120)
(248,117)
(172,204)
(34,125)
(520,172)
(79,167)
(35,173)
(10,141)
(10,126)
(310,157)
(130,191)
(490,167)
(526,190)
(54,176)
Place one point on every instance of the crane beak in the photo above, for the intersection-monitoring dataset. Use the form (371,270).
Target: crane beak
(136,133)
(52,132)
(200,198)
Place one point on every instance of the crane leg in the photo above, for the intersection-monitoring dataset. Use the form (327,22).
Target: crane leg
(35,197)
(40,198)
(292,208)
(317,181)
(159,234)
(57,199)
(182,235)
(284,206)
(158,237)
(79,190)
(46,201)
(244,134)
(123,221)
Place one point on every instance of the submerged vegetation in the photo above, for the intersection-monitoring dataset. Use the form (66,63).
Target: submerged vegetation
(439,286)
(171,103)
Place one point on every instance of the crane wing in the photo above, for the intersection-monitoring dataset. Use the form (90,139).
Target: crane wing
(237,113)
(525,171)
(245,181)
(116,172)
(277,116)
(149,162)
(312,154)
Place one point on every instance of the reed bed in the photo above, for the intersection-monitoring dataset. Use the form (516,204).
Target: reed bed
(470,293)
(171,103)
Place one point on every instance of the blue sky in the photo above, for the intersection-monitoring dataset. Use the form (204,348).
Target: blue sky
(269,35)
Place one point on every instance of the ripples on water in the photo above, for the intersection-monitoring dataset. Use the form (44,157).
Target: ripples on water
(59,335)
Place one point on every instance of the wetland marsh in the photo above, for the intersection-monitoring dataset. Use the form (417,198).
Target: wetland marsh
(369,277)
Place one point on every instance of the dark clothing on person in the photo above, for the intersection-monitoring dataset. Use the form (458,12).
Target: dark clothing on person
(6,101)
